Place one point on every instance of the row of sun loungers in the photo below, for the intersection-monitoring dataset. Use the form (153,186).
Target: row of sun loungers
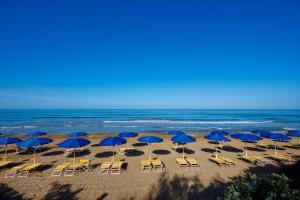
(223,161)
(187,162)
(111,167)
(154,164)
(21,170)
(69,168)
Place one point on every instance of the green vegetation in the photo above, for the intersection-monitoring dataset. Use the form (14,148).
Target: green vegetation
(253,187)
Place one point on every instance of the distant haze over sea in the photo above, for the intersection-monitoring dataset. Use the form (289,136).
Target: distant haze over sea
(146,120)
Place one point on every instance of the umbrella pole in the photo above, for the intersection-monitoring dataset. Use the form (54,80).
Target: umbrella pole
(246,150)
(34,156)
(113,158)
(5,152)
(183,152)
(275,149)
(216,151)
(74,152)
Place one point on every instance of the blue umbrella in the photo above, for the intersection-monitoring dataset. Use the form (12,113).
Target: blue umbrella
(77,134)
(34,143)
(74,143)
(183,139)
(246,138)
(128,135)
(219,132)
(277,137)
(6,141)
(217,138)
(261,132)
(36,133)
(113,141)
(176,132)
(294,133)
(150,140)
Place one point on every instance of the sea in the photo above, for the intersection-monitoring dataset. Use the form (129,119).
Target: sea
(61,121)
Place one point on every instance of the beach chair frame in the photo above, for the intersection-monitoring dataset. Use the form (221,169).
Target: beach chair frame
(105,170)
(24,172)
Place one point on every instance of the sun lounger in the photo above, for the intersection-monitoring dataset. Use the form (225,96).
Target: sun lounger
(182,162)
(259,159)
(127,149)
(157,165)
(177,147)
(11,173)
(105,168)
(116,167)
(25,171)
(71,150)
(284,158)
(228,161)
(250,159)
(59,169)
(218,161)
(71,169)
(146,165)
(192,162)
(5,163)
(86,164)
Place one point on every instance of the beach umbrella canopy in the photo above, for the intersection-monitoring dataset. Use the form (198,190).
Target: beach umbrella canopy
(36,133)
(6,141)
(246,138)
(150,140)
(183,139)
(217,138)
(278,137)
(262,133)
(128,134)
(34,143)
(77,134)
(9,140)
(219,132)
(176,132)
(74,143)
(113,141)
(294,133)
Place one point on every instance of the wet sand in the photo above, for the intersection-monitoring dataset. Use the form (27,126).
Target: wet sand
(132,183)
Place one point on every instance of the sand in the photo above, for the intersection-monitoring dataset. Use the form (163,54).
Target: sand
(132,183)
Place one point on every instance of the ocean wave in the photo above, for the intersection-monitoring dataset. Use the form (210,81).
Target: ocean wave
(16,127)
(188,122)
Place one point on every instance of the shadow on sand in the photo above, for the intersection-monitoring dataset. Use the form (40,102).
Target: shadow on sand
(9,193)
(59,191)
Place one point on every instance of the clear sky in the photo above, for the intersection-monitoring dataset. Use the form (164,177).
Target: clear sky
(150,54)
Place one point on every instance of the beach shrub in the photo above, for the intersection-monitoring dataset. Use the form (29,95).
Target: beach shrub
(253,187)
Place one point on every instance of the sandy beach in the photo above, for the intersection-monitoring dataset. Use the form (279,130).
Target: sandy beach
(205,182)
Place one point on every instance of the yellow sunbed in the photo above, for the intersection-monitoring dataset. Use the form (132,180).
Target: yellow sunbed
(218,161)
(86,164)
(71,150)
(250,159)
(192,162)
(146,165)
(284,158)
(59,169)
(116,167)
(25,171)
(182,162)
(157,165)
(259,159)
(127,149)
(105,167)
(71,169)
(11,173)
(176,147)
(228,161)
(5,163)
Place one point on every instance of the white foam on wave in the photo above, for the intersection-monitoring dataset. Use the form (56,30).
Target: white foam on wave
(188,122)
(16,127)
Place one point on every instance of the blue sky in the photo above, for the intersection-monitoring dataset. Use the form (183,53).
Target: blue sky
(150,54)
